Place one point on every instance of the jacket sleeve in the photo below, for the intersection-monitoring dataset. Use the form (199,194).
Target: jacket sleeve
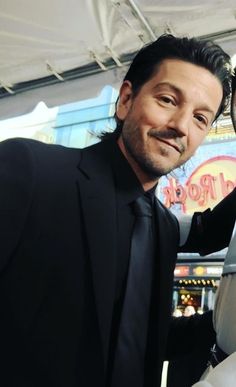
(190,334)
(16,186)
(211,230)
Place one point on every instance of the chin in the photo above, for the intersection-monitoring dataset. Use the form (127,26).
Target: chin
(156,170)
(164,168)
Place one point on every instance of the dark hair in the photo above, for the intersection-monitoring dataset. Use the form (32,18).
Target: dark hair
(203,53)
(233,100)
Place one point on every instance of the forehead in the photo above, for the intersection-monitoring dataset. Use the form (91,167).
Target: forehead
(181,69)
(191,82)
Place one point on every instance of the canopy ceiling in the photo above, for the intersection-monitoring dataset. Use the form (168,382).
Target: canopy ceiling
(64,50)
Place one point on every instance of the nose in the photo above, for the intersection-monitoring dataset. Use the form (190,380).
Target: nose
(180,122)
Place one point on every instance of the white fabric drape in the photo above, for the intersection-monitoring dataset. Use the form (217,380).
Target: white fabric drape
(224,375)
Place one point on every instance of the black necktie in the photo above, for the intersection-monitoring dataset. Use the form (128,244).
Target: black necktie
(128,370)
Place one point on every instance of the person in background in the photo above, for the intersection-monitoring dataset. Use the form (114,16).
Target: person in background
(222,359)
(221,371)
(222,365)
(189,311)
(177,313)
(86,291)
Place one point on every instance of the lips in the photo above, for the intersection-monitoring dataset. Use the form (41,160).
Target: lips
(170,143)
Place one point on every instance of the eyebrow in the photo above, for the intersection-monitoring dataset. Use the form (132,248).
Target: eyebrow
(169,85)
(177,90)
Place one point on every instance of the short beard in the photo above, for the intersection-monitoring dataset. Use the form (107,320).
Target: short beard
(142,159)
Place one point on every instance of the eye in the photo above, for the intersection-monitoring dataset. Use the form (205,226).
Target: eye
(167,100)
(201,119)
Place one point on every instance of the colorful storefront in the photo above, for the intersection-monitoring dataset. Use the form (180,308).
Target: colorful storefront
(205,180)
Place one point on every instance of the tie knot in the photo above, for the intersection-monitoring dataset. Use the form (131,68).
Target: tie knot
(143,206)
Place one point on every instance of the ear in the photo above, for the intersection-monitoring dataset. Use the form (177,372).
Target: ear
(125,100)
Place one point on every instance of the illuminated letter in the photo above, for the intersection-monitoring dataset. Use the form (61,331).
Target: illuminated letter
(194,192)
(226,185)
(207,183)
(169,194)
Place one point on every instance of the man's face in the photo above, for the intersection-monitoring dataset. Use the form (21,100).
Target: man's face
(168,118)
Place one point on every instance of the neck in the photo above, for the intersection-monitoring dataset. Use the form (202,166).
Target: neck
(146,181)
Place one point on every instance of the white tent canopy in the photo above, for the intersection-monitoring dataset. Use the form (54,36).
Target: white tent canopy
(62,51)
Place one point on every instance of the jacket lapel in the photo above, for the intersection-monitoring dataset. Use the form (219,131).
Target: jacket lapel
(98,203)
(167,244)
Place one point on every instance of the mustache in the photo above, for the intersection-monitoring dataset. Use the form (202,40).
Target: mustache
(168,135)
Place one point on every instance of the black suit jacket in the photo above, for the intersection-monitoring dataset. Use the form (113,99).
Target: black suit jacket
(58,266)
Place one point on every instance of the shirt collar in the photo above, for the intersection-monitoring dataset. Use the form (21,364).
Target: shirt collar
(128,187)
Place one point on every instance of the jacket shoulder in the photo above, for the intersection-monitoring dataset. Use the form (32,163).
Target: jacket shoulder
(167,213)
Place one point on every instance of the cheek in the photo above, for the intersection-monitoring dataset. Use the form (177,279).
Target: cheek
(153,116)
(195,139)
(144,116)
(137,121)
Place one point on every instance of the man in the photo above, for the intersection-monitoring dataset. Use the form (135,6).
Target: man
(222,371)
(67,217)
